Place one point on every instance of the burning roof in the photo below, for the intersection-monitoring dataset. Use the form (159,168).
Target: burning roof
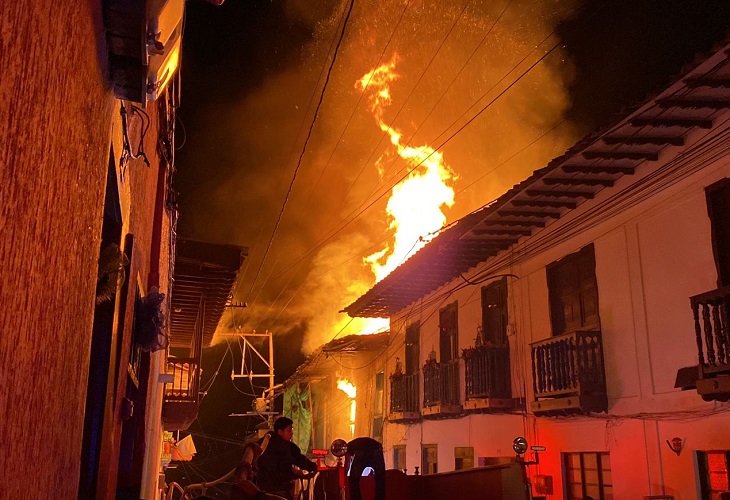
(658,127)
(316,365)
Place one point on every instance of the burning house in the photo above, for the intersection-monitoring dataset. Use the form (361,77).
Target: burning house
(338,392)
(585,309)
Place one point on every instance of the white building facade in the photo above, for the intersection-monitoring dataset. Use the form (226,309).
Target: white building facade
(562,313)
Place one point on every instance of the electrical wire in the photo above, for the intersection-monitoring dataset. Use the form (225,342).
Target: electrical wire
(357,104)
(299,131)
(355,214)
(412,91)
(306,142)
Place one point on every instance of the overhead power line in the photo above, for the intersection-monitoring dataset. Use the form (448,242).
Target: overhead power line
(304,147)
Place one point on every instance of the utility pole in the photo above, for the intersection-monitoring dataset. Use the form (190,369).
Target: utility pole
(264,404)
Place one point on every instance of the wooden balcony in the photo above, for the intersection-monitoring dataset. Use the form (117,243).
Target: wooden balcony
(441,390)
(404,398)
(180,403)
(568,374)
(487,374)
(711,376)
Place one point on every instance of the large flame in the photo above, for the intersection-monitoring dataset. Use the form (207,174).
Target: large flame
(415,203)
(348,388)
(345,386)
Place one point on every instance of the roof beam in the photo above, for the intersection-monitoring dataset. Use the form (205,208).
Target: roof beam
(656,140)
(495,230)
(528,213)
(505,222)
(595,169)
(577,181)
(621,155)
(671,102)
(544,203)
(686,122)
(558,194)
(703,81)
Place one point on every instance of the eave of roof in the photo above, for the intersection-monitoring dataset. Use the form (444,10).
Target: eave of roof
(635,140)
(316,365)
(202,284)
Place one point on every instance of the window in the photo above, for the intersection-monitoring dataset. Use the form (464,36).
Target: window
(449,332)
(573,292)
(429,459)
(718,204)
(713,472)
(494,313)
(463,457)
(378,407)
(413,334)
(587,475)
(399,457)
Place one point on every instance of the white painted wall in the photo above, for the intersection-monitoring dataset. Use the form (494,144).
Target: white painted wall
(653,251)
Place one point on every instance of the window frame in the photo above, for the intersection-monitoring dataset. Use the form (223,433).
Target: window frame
(600,472)
(467,460)
(496,337)
(425,469)
(399,457)
(449,332)
(413,348)
(580,267)
(704,473)
(378,406)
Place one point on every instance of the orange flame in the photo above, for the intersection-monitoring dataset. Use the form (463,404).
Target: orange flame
(345,386)
(414,207)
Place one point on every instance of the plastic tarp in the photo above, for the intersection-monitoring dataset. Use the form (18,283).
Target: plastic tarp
(184,450)
(297,408)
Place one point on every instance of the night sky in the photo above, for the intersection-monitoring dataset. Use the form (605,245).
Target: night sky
(252,73)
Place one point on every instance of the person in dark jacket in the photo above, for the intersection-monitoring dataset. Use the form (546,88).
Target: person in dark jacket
(366,452)
(275,473)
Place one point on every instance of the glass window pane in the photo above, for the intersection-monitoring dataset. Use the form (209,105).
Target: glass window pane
(590,461)
(576,491)
(718,481)
(607,477)
(591,476)
(605,461)
(593,491)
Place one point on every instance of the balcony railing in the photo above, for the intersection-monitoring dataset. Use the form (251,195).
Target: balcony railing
(569,370)
(710,312)
(712,334)
(186,380)
(404,393)
(180,407)
(487,372)
(441,383)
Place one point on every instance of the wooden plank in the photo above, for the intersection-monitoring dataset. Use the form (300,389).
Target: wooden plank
(488,404)
(592,169)
(684,103)
(559,194)
(657,140)
(621,155)
(672,122)
(529,213)
(577,181)
(544,203)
